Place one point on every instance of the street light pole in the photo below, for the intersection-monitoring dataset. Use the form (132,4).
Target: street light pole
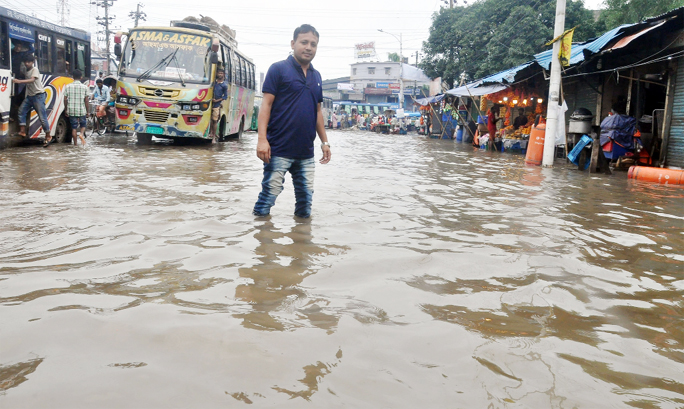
(401,67)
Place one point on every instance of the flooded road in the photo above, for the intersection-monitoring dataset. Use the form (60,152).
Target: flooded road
(430,275)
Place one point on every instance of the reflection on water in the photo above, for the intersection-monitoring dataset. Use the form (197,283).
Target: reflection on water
(430,275)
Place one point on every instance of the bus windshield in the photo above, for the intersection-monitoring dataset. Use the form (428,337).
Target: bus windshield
(150,49)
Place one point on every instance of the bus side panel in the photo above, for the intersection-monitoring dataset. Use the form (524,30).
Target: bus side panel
(242,104)
(54,104)
(5,100)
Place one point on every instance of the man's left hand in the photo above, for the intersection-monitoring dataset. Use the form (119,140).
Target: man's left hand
(326,154)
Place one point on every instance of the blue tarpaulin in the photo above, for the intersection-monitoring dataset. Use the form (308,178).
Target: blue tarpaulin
(618,128)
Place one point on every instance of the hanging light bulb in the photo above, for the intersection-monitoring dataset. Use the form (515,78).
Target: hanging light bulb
(525,101)
(539,101)
(515,102)
(505,99)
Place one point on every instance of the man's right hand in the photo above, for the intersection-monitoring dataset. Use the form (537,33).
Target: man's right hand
(264,150)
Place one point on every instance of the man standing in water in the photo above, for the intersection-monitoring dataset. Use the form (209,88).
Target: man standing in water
(289,118)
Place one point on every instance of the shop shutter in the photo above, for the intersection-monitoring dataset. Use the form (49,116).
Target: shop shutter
(675,145)
(584,96)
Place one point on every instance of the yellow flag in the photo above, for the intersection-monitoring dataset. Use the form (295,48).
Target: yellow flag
(565,48)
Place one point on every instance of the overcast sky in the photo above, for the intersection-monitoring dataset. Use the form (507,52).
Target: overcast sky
(264,29)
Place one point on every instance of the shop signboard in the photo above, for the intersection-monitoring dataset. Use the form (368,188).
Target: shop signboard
(365,51)
(407,91)
(382,85)
(377,91)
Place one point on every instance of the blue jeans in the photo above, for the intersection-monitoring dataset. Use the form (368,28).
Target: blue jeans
(36,102)
(302,171)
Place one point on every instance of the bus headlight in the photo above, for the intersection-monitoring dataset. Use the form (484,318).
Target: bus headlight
(196,107)
(123,100)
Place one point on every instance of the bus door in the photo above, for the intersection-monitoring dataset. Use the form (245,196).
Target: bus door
(5,79)
(226,57)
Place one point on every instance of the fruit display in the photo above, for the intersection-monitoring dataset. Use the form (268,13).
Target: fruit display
(483,104)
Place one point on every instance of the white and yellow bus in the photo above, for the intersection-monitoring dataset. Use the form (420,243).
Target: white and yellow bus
(166,79)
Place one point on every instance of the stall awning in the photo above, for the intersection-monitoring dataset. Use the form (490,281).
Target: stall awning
(21,32)
(476,91)
(430,100)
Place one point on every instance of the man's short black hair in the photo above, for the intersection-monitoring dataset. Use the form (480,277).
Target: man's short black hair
(29,57)
(305,28)
(77,75)
(99,80)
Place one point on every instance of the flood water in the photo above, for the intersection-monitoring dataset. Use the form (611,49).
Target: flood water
(430,275)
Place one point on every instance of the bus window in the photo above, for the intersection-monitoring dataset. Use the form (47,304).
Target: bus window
(227,63)
(80,60)
(44,52)
(4,46)
(69,56)
(252,84)
(243,72)
(236,68)
(60,66)
(249,75)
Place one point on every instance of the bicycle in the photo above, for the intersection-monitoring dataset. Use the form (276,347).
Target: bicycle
(97,124)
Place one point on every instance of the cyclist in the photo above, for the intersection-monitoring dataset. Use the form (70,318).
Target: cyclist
(105,103)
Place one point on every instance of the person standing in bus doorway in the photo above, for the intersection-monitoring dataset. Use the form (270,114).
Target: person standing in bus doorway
(289,119)
(220,95)
(76,102)
(35,98)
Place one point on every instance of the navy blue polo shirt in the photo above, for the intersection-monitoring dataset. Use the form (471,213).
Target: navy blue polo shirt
(292,126)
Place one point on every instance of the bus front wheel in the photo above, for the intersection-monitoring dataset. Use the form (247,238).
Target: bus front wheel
(144,139)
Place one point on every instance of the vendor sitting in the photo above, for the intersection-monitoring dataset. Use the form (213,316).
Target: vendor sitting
(521,120)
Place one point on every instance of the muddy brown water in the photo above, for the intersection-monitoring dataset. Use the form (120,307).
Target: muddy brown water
(430,275)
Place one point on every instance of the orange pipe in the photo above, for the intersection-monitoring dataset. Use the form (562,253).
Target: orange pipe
(657,175)
(535,147)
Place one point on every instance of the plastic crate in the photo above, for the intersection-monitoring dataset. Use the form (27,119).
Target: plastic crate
(574,154)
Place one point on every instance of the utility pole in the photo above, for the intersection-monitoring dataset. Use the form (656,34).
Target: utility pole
(554,89)
(63,11)
(104,21)
(138,15)
(401,67)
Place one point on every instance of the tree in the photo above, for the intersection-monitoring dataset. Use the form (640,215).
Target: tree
(393,57)
(492,35)
(619,12)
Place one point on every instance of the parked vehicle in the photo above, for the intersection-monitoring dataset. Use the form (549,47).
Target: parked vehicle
(166,79)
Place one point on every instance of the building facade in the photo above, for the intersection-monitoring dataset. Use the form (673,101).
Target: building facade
(378,82)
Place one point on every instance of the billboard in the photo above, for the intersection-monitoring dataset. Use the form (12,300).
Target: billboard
(365,51)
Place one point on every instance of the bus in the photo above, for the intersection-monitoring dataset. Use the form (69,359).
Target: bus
(58,51)
(327,110)
(365,108)
(166,79)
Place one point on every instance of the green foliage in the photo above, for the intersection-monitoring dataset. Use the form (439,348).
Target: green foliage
(492,35)
(393,57)
(619,12)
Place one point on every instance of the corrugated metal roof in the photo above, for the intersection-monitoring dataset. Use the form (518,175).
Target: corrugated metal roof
(579,51)
(507,76)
